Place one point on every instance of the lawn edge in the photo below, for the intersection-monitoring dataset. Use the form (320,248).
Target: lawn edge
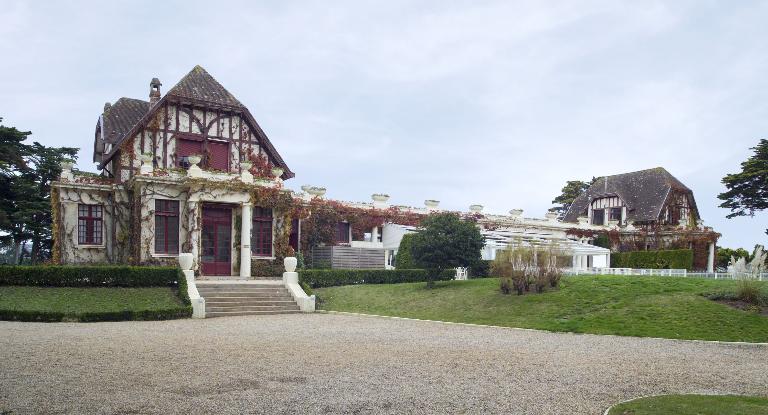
(667,394)
(725,342)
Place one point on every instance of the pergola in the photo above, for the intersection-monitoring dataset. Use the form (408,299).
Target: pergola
(583,254)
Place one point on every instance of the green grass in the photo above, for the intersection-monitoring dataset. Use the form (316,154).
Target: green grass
(65,303)
(628,306)
(693,405)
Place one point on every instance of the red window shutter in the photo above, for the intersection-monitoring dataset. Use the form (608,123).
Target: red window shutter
(219,156)
(186,148)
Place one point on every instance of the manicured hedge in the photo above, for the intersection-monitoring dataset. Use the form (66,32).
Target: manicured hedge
(53,316)
(317,278)
(89,276)
(675,259)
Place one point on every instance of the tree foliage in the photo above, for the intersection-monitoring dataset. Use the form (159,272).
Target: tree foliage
(569,193)
(26,172)
(446,242)
(748,189)
(404,259)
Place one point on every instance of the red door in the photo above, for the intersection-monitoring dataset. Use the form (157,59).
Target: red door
(217,240)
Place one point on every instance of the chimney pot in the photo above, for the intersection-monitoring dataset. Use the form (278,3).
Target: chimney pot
(107,106)
(154,91)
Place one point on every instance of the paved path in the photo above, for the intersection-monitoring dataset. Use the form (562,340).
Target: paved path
(348,364)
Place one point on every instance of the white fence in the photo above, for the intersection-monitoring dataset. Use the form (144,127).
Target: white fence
(663,273)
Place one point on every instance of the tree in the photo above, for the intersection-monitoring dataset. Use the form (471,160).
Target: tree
(724,256)
(569,193)
(748,190)
(404,259)
(446,242)
(26,172)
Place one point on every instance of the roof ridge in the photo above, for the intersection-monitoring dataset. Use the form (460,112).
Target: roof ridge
(199,84)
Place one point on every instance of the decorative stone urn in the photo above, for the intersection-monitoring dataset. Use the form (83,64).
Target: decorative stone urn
(380,197)
(186,260)
(277,172)
(290,263)
(475,208)
(516,213)
(66,169)
(583,220)
(146,163)
(194,170)
(246,165)
(305,188)
(194,160)
(431,204)
(551,216)
(317,191)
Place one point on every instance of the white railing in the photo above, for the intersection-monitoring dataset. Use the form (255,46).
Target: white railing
(664,273)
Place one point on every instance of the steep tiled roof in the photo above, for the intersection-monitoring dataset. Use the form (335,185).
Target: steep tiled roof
(122,116)
(199,85)
(643,191)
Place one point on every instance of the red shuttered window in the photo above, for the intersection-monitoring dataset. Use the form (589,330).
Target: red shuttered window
(261,234)
(186,148)
(89,224)
(218,156)
(166,226)
(342,233)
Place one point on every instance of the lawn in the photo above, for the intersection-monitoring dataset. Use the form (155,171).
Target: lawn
(65,303)
(693,405)
(622,305)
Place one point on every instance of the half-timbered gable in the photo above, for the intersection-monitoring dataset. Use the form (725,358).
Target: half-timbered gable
(198,116)
(647,197)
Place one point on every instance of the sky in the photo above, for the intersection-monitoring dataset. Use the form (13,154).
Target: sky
(468,102)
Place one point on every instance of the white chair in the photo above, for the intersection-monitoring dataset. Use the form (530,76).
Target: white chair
(461,274)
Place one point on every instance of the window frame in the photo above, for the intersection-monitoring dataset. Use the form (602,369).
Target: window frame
(167,214)
(264,248)
(88,234)
(347,235)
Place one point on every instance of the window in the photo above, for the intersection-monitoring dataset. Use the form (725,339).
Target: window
(342,233)
(89,224)
(616,214)
(166,226)
(598,216)
(261,234)
(186,148)
(218,156)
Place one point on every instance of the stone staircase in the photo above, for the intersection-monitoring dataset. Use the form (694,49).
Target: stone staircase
(245,298)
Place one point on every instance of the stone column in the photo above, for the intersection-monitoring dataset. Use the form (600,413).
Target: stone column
(375,234)
(245,240)
(711,258)
(193,214)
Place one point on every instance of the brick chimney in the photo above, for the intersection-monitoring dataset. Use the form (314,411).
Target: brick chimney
(154,92)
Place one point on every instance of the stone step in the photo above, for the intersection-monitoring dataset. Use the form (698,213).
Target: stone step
(240,287)
(214,309)
(249,302)
(225,294)
(247,313)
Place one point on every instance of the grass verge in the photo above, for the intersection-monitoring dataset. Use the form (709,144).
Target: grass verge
(25,303)
(674,308)
(693,405)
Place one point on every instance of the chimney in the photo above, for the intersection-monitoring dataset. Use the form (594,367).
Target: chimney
(107,106)
(154,92)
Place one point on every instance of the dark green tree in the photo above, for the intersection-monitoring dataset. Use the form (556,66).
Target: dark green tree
(724,256)
(569,193)
(446,242)
(748,189)
(404,259)
(26,172)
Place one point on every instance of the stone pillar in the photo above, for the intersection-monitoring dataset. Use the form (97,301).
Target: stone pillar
(608,260)
(575,262)
(711,258)
(375,234)
(245,241)
(193,221)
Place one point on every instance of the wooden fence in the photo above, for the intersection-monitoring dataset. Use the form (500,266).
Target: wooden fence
(345,257)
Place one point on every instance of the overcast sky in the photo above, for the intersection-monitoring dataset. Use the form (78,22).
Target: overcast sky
(497,103)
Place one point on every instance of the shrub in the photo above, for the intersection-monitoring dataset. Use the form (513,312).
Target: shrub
(748,290)
(481,269)
(675,258)
(505,284)
(446,242)
(554,276)
(404,259)
(307,289)
(317,278)
(90,276)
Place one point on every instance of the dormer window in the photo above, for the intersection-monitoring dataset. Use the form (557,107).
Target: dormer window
(609,208)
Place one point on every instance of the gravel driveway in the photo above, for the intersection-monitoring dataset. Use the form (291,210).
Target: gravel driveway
(323,363)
